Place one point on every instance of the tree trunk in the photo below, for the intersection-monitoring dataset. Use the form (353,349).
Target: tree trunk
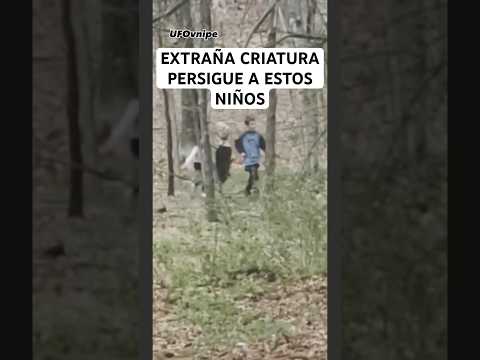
(270,135)
(207,167)
(188,122)
(311,106)
(175,135)
(208,170)
(86,25)
(75,208)
(168,120)
(161,6)
(271,113)
(190,117)
(300,18)
(171,171)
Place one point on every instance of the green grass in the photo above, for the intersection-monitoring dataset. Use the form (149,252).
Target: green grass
(277,236)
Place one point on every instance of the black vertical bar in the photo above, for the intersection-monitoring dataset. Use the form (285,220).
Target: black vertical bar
(334,187)
(145,209)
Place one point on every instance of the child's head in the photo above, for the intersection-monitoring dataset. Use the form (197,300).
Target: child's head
(250,122)
(223,132)
(224,136)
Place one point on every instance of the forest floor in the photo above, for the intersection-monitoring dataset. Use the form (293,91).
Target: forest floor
(247,287)
(85,297)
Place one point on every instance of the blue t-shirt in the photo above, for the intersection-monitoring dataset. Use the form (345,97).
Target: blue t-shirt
(250,143)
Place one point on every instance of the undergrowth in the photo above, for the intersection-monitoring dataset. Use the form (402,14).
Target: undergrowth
(279,235)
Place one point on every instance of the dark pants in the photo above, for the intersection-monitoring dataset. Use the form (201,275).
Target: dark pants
(252,177)
(223,159)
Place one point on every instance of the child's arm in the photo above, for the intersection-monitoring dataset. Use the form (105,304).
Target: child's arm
(240,148)
(262,143)
(239,145)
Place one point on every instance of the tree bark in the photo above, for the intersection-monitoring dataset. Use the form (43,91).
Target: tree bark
(311,105)
(162,7)
(168,120)
(208,170)
(86,25)
(190,117)
(207,167)
(271,113)
(171,171)
(75,207)
(175,135)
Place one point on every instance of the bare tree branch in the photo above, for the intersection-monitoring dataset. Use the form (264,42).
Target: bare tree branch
(170,11)
(260,22)
(322,40)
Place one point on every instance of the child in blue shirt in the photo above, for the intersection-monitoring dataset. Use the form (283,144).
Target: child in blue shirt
(249,145)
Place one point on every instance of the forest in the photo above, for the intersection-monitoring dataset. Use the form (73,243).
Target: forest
(240,276)
(388,72)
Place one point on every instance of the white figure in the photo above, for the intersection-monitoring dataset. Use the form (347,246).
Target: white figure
(128,123)
(194,161)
